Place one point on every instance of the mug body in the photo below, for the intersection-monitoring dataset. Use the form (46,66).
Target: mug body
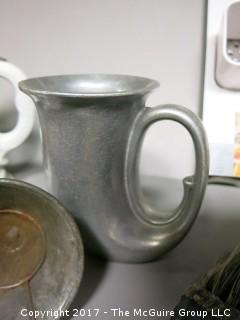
(85,123)
(84,144)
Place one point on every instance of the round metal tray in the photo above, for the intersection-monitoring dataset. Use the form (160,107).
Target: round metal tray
(41,251)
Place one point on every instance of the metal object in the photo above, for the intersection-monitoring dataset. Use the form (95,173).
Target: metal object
(22,248)
(227,181)
(41,253)
(92,128)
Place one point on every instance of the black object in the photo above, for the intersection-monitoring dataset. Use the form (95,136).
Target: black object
(216,295)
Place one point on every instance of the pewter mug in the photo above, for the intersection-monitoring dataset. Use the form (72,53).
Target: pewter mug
(92,128)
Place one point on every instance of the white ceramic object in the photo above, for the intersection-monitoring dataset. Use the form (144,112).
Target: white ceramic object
(26,114)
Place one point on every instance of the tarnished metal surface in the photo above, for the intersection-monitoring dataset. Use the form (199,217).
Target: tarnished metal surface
(41,253)
(92,128)
(22,248)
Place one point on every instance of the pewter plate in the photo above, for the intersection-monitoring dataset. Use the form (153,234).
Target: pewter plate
(53,286)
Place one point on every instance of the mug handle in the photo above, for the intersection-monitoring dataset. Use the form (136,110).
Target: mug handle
(194,187)
(25,108)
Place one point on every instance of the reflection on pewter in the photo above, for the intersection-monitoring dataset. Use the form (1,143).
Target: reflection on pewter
(92,128)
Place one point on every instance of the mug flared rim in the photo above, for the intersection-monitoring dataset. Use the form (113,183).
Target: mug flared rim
(88,85)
